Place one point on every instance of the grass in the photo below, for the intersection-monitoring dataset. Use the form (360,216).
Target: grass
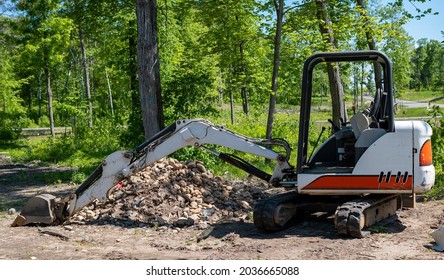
(378,229)
(17,203)
(423,96)
(412,112)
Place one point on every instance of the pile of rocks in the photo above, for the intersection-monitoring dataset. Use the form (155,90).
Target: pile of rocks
(174,193)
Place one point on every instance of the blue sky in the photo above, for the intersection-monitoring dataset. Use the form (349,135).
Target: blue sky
(430,26)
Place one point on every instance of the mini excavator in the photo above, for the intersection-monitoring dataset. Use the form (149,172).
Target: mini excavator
(359,172)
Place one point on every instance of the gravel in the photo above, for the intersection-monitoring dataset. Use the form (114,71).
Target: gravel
(175,194)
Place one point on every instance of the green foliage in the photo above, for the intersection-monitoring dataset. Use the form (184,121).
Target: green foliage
(12,114)
(187,97)
(437,124)
(422,96)
(378,229)
(11,125)
(83,149)
(427,63)
(84,142)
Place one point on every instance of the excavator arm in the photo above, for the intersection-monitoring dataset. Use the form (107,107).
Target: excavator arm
(47,209)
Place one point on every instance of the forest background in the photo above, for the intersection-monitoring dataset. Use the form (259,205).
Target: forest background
(76,67)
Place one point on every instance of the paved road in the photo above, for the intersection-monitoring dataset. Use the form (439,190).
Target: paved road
(409,104)
(413,104)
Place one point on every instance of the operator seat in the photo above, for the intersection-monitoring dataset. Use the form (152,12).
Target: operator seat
(359,123)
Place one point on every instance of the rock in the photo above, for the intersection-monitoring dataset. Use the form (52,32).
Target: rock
(68,227)
(187,197)
(176,166)
(11,211)
(205,175)
(184,222)
(208,212)
(182,183)
(194,217)
(181,200)
(161,221)
(193,204)
(208,199)
(201,168)
(197,179)
(218,195)
(244,204)
(174,193)
(202,225)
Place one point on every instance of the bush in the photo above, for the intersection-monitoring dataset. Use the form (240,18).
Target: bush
(83,149)
(437,124)
(11,126)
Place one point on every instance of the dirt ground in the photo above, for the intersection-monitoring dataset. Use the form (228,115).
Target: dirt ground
(405,236)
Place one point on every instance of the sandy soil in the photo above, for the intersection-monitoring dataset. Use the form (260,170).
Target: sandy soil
(405,236)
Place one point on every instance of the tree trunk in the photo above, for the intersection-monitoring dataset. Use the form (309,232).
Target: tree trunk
(279,6)
(110,93)
(49,92)
(244,90)
(220,89)
(132,66)
(336,89)
(148,66)
(231,103)
(370,40)
(337,94)
(86,76)
(39,95)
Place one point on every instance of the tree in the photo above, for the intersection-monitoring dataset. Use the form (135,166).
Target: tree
(369,28)
(397,45)
(234,35)
(336,89)
(418,61)
(149,67)
(47,38)
(12,112)
(78,14)
(279,8)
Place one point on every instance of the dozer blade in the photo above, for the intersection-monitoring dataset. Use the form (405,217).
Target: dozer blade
(38,210)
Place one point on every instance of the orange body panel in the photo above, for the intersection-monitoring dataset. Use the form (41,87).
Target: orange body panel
(335,182)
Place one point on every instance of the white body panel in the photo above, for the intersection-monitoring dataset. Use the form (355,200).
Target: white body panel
(389,165)
(424,176)
(392,152)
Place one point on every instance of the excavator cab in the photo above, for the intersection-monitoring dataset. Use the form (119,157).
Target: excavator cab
(339,151)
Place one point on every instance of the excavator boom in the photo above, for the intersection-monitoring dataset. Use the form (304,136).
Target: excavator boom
(50,210)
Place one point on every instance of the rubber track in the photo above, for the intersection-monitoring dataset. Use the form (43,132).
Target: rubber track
(348,216)
(341,217)
(263,214)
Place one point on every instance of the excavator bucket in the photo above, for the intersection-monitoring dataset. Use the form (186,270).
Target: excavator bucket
(38,210)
